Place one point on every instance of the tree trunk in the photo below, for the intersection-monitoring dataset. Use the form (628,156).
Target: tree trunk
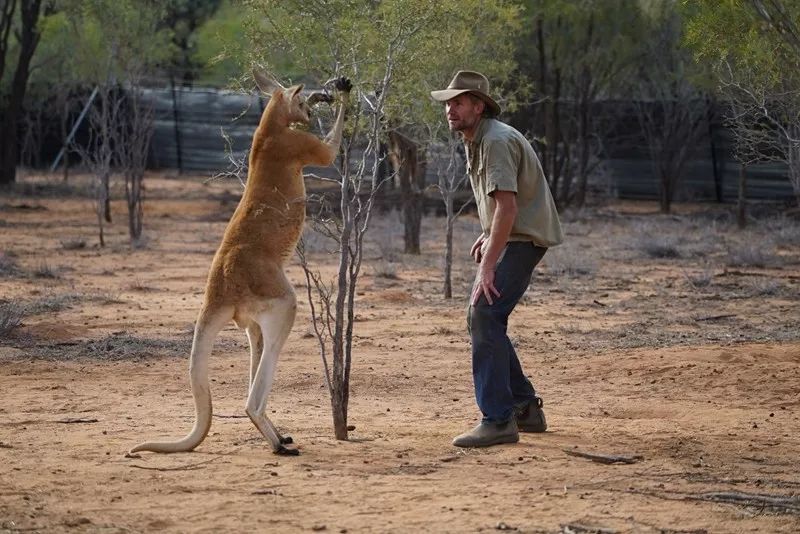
(12,106)
(741,205)
(339,407)
(448,250)
(665,201)
(410,165)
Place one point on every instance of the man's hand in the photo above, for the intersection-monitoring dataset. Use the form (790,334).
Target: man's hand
(484,285)
(502,222)
(475,251)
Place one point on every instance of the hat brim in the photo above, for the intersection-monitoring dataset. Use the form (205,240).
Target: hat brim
(446,94)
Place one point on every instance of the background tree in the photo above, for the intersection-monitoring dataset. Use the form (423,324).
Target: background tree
(20,18)
(120,44)
(671,110)
(753,47)
(183,18)
(574,54)
(490,51)
(452,180)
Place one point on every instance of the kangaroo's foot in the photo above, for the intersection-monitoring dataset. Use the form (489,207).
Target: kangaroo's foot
(286,451)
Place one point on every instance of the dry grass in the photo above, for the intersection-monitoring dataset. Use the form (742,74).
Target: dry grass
(45,270)
(762,287)
(566,261)
(385,269)
(8,264)
(140,286)
(11,315)
(749,255)
(699,279)
(118,347)
(658,246)
(444,331)
(52,303)
(73,243)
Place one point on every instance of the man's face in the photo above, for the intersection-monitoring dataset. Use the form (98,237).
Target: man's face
(463,112)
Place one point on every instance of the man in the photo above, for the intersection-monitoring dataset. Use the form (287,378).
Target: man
(519,221)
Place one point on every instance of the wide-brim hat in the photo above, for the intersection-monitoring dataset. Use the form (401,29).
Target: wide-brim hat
(467,81)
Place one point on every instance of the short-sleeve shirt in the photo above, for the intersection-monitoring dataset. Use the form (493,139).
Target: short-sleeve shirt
(499,158)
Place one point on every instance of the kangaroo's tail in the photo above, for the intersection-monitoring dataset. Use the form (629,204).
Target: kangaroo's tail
(208,326)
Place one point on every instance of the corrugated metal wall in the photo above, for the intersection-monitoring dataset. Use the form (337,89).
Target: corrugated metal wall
(204,114)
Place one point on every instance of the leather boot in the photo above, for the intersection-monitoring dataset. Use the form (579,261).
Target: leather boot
(487,434)
(530,417)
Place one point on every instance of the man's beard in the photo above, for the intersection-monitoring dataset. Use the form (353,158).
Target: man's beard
(460,125)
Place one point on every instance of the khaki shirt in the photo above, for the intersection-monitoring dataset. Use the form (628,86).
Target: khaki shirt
(499,158)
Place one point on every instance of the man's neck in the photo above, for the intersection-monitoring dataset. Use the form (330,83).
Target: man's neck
(469,135)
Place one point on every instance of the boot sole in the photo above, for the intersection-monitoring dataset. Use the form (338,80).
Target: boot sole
(533,430)
(500,440)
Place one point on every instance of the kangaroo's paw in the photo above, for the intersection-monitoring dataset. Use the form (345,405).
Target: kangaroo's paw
(285,440)
(285,451)
(343,85)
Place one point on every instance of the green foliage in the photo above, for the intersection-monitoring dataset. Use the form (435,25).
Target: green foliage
(420,43)
(115,39)
(183,18)
(221,45)
(598,38)
(732,33)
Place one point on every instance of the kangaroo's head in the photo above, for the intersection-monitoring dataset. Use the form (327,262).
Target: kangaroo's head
(291,103)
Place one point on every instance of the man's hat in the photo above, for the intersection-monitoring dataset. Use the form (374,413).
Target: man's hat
(467,81)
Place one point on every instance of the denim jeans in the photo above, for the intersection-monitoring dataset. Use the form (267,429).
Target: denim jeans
(496,372)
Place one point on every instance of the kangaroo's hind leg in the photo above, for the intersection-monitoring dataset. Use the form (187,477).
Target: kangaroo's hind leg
(275,321)
(256,341)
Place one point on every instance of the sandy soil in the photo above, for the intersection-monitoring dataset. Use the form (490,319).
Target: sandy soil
(686,356)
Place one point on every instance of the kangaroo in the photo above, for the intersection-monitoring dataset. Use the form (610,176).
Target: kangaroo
(246,282)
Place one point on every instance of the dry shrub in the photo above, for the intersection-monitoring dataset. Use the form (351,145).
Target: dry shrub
(784,231)
(658,246)
(763,287)
(51,303)
(139,285)
(443,331)
(564,260)
(385,269)
(11,314)
(384,234)
(8,265)
(44,270)
(118,347)
(749,255)
(701,279)
(73,243)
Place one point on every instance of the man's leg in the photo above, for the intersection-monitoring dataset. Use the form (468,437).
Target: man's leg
(521,386)
(498,377)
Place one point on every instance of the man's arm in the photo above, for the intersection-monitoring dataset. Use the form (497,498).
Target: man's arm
(503,220)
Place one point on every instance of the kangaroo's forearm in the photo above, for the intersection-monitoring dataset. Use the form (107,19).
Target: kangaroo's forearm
(334,137)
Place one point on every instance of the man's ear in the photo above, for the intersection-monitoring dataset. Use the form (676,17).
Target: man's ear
(481,106)
(265,82)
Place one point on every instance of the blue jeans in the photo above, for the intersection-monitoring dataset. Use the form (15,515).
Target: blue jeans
(496,372)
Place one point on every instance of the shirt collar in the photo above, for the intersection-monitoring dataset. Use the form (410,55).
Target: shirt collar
(472,146)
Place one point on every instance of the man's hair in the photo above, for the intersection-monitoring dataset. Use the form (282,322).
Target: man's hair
(487,110)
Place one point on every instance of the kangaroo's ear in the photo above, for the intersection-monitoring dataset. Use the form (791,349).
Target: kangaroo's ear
(294,90)
(265,82)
